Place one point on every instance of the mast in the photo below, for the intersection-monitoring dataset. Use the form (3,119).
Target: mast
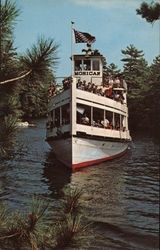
(72,48)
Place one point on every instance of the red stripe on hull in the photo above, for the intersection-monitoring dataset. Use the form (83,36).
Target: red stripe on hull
(88,163)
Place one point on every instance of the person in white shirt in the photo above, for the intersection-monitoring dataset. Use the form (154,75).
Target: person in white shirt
(85,120)
(105,123)
(117,82)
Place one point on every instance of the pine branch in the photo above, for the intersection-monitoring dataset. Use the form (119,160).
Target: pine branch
(16,78)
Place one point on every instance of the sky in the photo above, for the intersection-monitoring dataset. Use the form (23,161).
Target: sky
(114,23)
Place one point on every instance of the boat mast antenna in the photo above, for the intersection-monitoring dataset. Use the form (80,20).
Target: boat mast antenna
(72,48)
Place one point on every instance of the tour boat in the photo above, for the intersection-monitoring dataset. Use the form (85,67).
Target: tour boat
(88,118)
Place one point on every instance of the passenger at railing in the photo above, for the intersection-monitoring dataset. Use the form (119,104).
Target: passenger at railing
(117,125)
(100,92)
(67,82)
(79,84)
(89,87)
(117,82)
(110,81)
(108,92)
(94,124)
(58,89)
(85,120)
(83,86)
(105,123)
(124,84)
(51,90)
(104,87)
(95,89)
(99,125)
(105,80)
(116,96)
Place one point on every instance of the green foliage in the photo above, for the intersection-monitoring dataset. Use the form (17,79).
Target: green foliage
(111,69)
(143,89)
(40,57)
(24,79)
(33,96)
(38,229)
(153,95)
(134,66)
(136,72)
(7,135)
(8,16)
(69,221)
(151,12)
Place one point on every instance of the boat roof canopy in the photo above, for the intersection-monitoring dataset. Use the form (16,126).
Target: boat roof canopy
(89,54)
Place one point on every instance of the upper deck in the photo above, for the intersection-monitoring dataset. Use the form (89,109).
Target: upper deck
(76,103)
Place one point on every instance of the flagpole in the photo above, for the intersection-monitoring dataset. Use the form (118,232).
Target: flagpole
(72,48)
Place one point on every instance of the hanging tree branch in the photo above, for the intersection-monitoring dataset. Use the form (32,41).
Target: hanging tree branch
(37,60)
(16,78)
(151,12)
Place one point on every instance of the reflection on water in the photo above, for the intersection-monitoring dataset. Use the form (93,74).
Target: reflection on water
(120,197)
(56,176)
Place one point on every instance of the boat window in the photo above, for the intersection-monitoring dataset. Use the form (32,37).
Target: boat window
(65,114)
(78,65)
(117,121)
(109,118)
(83,114)
(98,117)
(95,64)
(57,117)
(87,64)
(123,122)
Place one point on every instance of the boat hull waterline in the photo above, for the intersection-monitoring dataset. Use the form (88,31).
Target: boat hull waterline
(76,153)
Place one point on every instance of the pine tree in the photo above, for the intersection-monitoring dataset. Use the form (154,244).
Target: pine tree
(154,95)
(112,69)
(136,72)
(31,71)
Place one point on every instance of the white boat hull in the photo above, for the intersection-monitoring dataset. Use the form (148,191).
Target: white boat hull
(79,152)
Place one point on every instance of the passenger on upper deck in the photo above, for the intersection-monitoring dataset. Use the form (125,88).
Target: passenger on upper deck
(124,84)
(117,82)
(111,81)
(51,90)
(67,82)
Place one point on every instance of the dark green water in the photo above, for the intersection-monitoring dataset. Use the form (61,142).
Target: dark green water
(121,197)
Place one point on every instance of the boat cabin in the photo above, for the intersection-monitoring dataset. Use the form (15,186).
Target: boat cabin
(89,67)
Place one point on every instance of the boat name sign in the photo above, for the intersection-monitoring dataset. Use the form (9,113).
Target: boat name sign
(91,73)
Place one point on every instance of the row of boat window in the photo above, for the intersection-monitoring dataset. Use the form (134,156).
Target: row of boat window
(88,116)
(87,65)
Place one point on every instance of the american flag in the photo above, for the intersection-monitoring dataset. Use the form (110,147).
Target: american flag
(82,37)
